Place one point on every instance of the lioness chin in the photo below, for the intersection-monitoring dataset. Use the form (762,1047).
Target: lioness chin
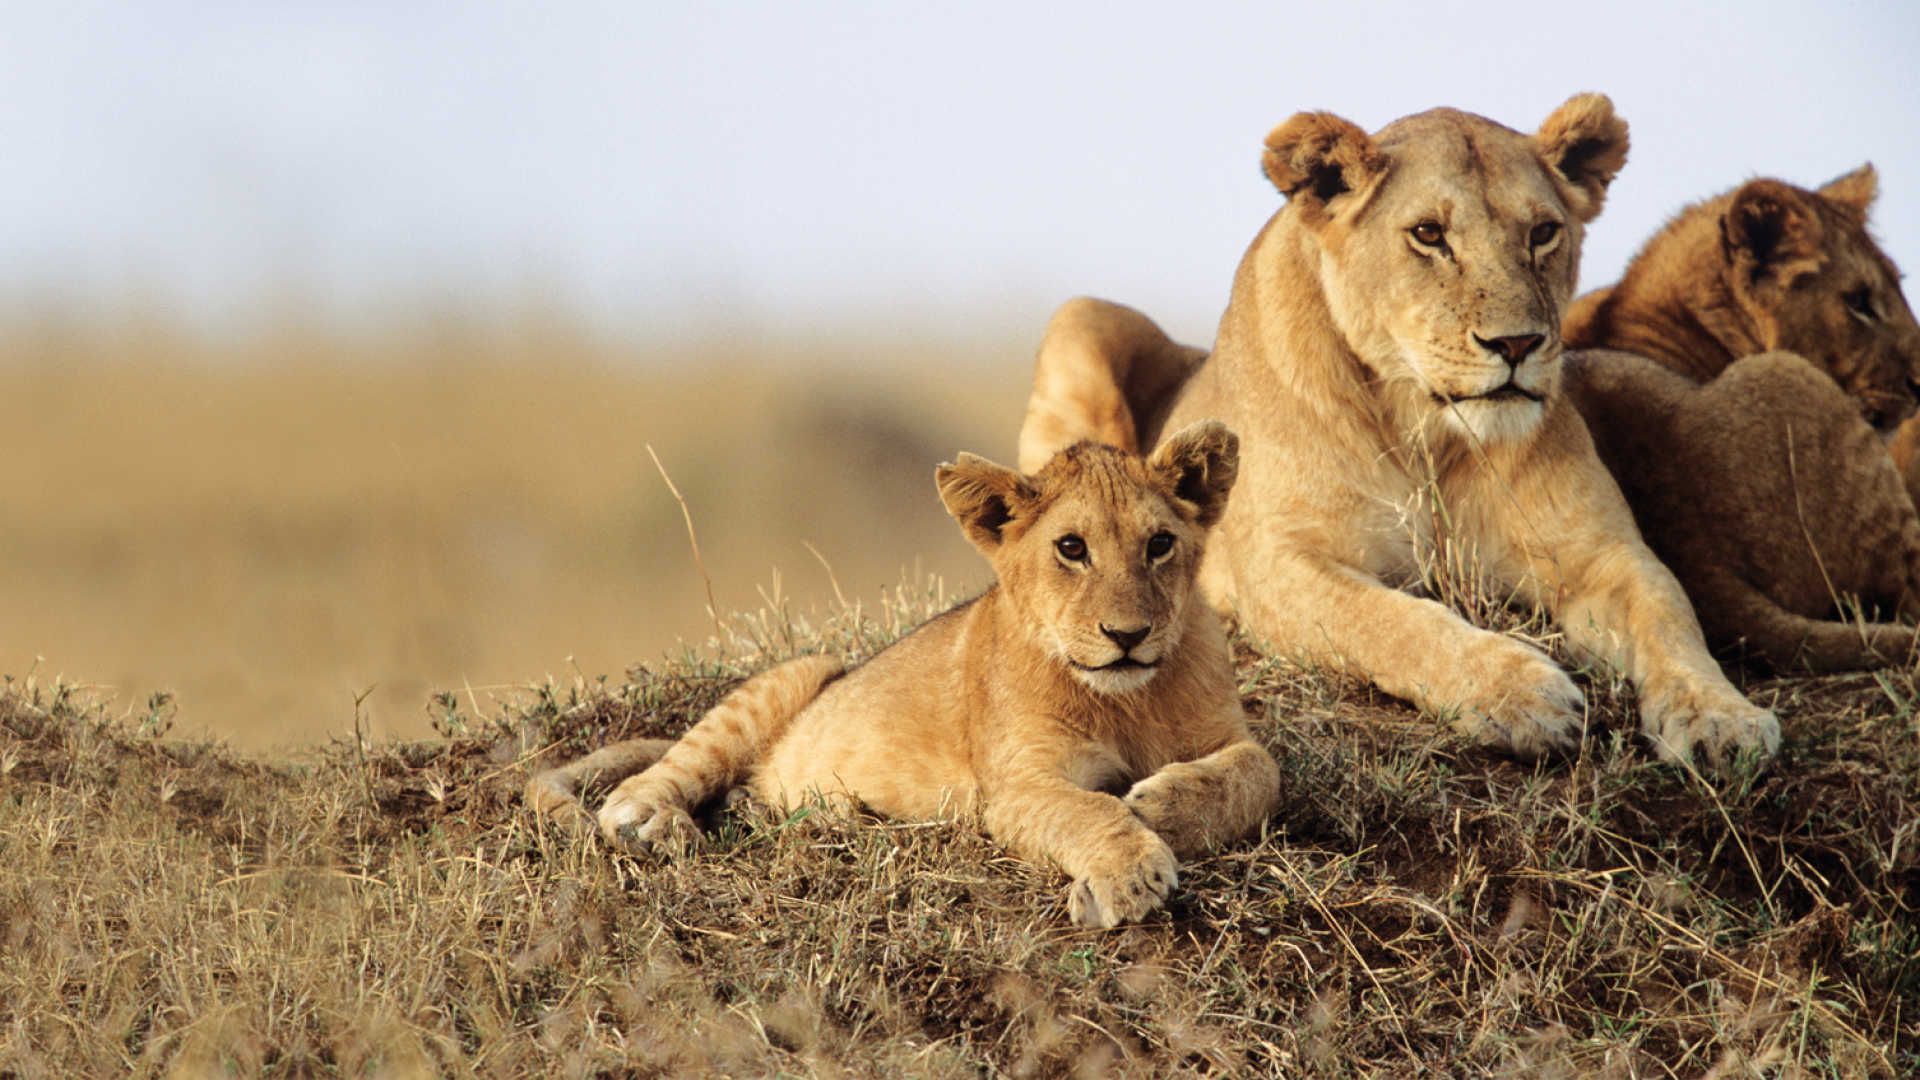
(1391,356)
(1084,705)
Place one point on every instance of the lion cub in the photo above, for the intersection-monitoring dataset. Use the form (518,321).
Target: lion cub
(1738,382)
(1084,704)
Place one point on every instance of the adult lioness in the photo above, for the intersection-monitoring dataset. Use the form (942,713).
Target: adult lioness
(1756,474)
(1083,671)
(1391,356)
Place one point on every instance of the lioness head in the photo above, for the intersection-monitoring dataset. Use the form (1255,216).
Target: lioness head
(1098,550)
(1447,246)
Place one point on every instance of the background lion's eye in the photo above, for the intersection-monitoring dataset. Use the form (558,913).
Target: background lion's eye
(1860,302)
(1159,544)
(1429,233)
(1544,233)
(1071,548)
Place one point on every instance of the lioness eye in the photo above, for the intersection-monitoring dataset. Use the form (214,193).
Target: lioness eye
(1071,548)
(1860,302)
(1544,233)
(1429,233)
(1159,544)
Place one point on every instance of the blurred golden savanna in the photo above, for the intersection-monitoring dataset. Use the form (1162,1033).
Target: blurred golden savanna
(268,528)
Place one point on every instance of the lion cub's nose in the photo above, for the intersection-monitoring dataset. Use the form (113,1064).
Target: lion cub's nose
(1514,348)
(1126,639)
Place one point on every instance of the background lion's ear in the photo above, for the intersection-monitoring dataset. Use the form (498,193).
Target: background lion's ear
(982,497)
(1199,463)
(1855,191)
(1317,156)
(1586,143)
(1770,233)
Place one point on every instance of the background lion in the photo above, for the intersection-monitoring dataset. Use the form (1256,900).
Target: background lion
(1759,475)
(1082,705)
(1391,355)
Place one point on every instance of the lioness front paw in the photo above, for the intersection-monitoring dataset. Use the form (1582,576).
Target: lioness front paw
(1530,707)
(1127,885)
(643,826)
(1715,720)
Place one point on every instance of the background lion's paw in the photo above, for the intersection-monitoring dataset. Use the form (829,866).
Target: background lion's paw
(641,826)
(1721,724)
(1127,886)
(1533,708)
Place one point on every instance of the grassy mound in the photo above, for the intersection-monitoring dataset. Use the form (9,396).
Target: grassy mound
(1417,906)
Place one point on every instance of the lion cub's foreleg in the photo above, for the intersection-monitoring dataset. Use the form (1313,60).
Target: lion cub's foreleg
(1035,804)
(1198,806)
(653,810)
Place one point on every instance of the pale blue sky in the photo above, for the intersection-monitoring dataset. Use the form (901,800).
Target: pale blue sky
(674,169)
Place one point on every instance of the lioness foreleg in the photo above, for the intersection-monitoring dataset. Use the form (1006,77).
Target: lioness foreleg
(1619,604)
(1197,806)
(1497,690)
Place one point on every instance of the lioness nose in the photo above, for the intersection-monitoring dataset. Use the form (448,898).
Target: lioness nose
(1126,639)
(1514,348)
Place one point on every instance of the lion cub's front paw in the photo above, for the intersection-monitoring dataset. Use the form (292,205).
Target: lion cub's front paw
(643,826)
(1126,884)
(1170,809)
(1529,706)
(1716,720)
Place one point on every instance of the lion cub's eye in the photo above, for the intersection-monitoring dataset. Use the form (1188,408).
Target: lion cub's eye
(1429,233)
(1860,302)
(1071,548)
(1159,544)
(1544,233)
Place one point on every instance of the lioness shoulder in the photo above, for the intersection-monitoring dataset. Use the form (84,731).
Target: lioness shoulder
(1084,705)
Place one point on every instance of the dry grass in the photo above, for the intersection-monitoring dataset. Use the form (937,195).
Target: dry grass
(267,529)
(1417,907)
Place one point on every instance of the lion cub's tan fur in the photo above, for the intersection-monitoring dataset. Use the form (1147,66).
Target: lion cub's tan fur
(1084,705)
(1391,356)
(1769,340)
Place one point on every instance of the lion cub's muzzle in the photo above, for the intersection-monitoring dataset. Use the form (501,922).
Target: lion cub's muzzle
(1131,661)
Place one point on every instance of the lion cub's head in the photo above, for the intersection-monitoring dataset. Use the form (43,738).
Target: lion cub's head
(1447,246)
(1769,266)
(1097,551)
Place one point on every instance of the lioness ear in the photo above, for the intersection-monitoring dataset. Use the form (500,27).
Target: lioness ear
(1586,144)
(1199,463)
(1855,191)
(1317,156)
(982,497)
(1770,232)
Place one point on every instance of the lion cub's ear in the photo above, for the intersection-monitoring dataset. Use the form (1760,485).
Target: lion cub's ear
(1198,464)
(1770,234)
(1586,144)
(982,497)
(1855,191)
(1317,156)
